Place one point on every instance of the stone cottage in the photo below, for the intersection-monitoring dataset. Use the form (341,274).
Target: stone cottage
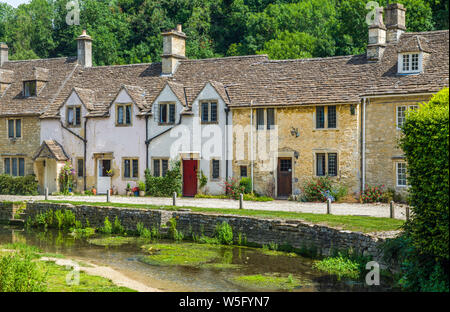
(280,122)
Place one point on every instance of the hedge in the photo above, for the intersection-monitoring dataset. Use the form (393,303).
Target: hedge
(164,186)
(10,185)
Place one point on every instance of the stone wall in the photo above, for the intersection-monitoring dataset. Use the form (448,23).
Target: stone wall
(7,210)
(343,140)
(382,151)
(297,233)
(24,146)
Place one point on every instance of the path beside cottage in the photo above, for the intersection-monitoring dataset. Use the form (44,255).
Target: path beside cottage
(374,210)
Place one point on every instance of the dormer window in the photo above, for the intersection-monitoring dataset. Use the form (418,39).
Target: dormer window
(410,63)
(29,88)
(123,114)
(74,116)
(167,113)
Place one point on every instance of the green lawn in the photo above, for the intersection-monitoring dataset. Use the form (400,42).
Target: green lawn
(352,223)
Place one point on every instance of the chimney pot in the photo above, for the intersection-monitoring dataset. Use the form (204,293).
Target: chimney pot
(395,21)
(3,53)
(377,37)
(179,28)
(84,49)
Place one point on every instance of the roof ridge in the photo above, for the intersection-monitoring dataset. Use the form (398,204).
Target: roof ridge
(316,58)
(211,59)
(43,59)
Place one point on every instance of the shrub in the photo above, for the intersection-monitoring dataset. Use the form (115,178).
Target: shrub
(247,184)
(117,228)
(10,185)
(19,273)
(425,142)
(233,188)
(224,233)
(173,232)
(322,188)
(373,194)
(143,231)
(141,185)
(107,227)
(164,186)
(66,178)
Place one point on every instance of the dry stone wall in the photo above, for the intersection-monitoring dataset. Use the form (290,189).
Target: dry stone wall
(297,233)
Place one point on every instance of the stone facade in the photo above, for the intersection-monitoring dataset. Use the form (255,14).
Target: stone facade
(297,233)
(24,146)
(297,138)
(382,151)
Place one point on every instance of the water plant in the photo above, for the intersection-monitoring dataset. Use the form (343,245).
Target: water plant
(224,233)
(173,232)
(341,266)
(107,227)
(117,228)
(272,281)
(143,231)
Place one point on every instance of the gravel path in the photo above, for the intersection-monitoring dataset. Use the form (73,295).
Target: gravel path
(374,210)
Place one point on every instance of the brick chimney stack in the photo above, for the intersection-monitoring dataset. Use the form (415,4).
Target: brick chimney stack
(84,50)
(3,53)
(174,49)
(395,21)
(377,37)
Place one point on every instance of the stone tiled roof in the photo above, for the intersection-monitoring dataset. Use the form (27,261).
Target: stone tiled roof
(51,149)
(240,81)
(435,73)
(12,102)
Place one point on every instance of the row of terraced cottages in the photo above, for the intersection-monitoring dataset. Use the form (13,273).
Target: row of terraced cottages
(281,122)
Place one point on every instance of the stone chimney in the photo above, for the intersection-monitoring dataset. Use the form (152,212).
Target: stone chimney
(377,37)
(84,50)
(3,53)
(174,50)
(395,21)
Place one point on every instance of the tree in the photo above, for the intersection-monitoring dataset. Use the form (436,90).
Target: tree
(289,45)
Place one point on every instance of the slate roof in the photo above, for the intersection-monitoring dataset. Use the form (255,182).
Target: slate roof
(52,149)
(241,81)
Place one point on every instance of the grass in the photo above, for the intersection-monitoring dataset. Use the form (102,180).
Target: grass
(184,254)
(341,266)
(271,281)
(351,223)
(112,241)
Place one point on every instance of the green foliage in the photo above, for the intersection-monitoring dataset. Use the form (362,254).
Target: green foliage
(117,228)
(10,185)
(321,188)
(202,179)
(165,186)
(19,273)
(224,233)
(247,184)
(107,227)
(214,28)
(143,231)
(425,143)
(141,185)
(373,194)
(56,219)
(341,266)
(66,178)
(173,232)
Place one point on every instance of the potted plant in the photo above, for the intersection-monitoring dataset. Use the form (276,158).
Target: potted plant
(141,185)
(94,191)
(110,172)
(135,190)
(128,189)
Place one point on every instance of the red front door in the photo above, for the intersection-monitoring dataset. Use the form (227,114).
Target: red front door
(189,177)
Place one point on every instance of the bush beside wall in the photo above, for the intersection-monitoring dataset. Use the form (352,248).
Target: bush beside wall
(10,185)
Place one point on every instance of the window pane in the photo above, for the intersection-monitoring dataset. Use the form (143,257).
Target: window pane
(320,117)
(401,174)
(120,115)
(18,128)
(126,168)
(332,164)
(156,168)
(415,62)
(128,115)
(135,168)
(78,116)
(270,118)
(7,166)
(260,118)
(243,171)
(285,165)
(213,112)
(215,169)
(320,163)
(11,128)
(33,88)
(14,166)
(165,166)
(205,112)
(21,167)
(172,113)
(331,116)
(401,110)
(163,113)
(70,116)
(406,62)
(80,167)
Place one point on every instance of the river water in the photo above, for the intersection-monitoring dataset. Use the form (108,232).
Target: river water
(243,261)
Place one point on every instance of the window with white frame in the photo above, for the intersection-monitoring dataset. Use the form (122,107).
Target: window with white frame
(410,63)
(401,113)
(401,173)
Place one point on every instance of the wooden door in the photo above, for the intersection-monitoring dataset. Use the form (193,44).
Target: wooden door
(189,177)
(284,184)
